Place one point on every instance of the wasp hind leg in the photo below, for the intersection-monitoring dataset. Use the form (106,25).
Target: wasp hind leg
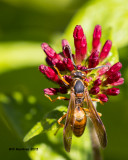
(60,119)
(58,98)
(97,100)
(88,111)
(60,124)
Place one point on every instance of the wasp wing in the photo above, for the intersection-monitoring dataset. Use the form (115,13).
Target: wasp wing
(68,128)
(99,126)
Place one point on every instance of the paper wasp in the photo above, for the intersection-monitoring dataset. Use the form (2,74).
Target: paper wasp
(76,116)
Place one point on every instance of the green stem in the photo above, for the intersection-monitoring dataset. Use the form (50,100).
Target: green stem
(95,142)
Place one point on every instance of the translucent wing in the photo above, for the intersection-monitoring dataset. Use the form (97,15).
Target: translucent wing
(67,132)
(99,127)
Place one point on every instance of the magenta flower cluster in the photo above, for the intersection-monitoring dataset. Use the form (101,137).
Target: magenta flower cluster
(102,81)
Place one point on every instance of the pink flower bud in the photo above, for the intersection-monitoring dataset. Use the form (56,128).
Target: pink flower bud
(68,78)
(83,48)
(88,79)
(51,91)
(96,36)
(104,69)
(79,67)
(119,82)
(97,82)
(50,73)
(80,44)
(83,68)
(113,91)
(94,90)
(113,77)
(105,50)
(102,97)
(49,61)
(93,59)
(63,90)
(68,64)
(78,32)
(65,49)
(58,63)
(115,68)
(49,51)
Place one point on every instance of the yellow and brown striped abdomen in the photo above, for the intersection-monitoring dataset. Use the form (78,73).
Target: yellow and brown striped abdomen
(80,120)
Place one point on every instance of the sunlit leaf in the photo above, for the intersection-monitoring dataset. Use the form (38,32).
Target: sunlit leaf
(37,129)
(48,123)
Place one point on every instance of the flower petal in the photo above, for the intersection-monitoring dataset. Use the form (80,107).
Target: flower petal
(51,91)
(115,68)
(119,82)
(113,91)
(113,77)
(93,59)
(50,73)
(49,51)
(65,49)
(80,44)
(105,50)
(104,69)
(58,63)
(68,64)
(102,97)
(97,82)
(96,37)
(94,90)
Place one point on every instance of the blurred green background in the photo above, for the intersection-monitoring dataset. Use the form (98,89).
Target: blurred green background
(24,25)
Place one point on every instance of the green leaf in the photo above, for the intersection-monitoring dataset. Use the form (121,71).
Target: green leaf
(48,123)
(37,129)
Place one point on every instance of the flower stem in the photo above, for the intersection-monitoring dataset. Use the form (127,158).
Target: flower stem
(95,143)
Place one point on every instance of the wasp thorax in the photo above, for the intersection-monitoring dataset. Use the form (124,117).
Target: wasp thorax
(78,74)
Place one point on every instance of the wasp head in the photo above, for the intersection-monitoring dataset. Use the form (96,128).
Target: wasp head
(78,74)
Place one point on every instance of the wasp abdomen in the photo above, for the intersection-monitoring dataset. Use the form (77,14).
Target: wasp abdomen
(80,120)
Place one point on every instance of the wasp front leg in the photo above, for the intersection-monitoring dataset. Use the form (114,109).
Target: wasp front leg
(58,98)
(61,77)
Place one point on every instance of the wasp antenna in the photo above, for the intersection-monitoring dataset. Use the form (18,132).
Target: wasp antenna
(66,46)
(88,69)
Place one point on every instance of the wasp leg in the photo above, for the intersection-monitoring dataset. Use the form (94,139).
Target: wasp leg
(60,119)
(97,100)
(61,77)
(58,98)
(60,124)
(88,111)
(86,83)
